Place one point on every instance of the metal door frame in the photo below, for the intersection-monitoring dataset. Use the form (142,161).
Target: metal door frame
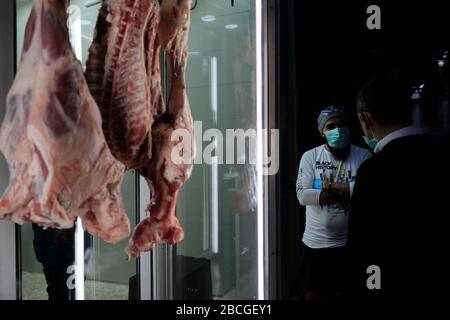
(145,262)
(9,232)
(162,254)
(271,121)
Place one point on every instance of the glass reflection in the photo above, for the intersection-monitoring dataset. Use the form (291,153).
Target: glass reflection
(218,205)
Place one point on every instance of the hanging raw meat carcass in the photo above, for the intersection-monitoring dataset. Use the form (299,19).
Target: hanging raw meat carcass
(123,73)
(116,72)
(60,164)
(164,173)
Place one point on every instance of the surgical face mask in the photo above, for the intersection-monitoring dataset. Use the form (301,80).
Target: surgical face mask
(338,138)
(372,143)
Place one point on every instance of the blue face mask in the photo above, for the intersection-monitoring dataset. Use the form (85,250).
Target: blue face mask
(338,138)
(372,143)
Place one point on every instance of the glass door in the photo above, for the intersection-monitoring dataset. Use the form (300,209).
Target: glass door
(221,207)
(48,256)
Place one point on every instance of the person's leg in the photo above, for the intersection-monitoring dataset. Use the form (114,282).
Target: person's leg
(310,273)
(63,289)
(56,278)
(324,281)
(305,267)
(343,265)
(337,261)
(54,249)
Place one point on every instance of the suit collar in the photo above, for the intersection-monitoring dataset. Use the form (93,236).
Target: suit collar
(403,132)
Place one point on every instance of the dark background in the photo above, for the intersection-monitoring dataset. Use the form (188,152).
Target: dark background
(325,54)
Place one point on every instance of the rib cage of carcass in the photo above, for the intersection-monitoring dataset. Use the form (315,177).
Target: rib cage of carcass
(124,74)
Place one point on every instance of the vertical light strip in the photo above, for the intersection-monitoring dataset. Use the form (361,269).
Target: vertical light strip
(79,260)
(145,268)
(206,215)
(215,206)
(213,87)
(214,165)
(74,25)
(259,126)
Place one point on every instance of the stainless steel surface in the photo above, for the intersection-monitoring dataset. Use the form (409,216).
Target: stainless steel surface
(145,261)
(271,122)
(162,272)
(162,260)
(91,3)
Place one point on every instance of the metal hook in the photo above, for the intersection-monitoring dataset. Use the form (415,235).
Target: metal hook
(195,5)
(89,4)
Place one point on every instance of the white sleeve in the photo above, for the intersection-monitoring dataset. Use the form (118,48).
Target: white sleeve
(307,196)
(350,188)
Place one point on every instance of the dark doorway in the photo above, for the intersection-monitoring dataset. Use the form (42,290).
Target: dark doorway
(325,54)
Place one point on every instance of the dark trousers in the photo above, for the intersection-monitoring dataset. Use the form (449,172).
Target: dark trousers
(55,250)
(323,272)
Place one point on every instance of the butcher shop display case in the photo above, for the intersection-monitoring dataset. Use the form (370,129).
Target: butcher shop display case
(222,207)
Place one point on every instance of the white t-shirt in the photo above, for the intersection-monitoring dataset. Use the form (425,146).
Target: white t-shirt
(326,227)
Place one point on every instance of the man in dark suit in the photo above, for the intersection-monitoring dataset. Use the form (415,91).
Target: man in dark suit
(396,222)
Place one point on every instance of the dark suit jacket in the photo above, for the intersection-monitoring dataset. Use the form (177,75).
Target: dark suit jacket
(396,222)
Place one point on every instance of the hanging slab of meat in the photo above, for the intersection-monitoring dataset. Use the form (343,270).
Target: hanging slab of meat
(166,173)
(118,72)
(59,161)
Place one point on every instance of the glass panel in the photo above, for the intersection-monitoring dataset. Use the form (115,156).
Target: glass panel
(108,274)
(218,259)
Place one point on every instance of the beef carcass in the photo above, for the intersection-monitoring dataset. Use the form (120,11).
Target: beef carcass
(117,68)
(59,161)
(173,138)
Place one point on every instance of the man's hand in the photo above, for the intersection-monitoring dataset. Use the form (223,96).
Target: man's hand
(342,187)
(328,197)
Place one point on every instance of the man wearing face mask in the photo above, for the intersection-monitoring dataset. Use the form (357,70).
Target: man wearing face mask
(396,236)
(324,185)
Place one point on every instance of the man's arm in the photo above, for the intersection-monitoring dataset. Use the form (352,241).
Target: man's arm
(340,187)
(357,208)
(335,193)
(366,155)
(360,235)
(331,196)
(347,188)
(307,196)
